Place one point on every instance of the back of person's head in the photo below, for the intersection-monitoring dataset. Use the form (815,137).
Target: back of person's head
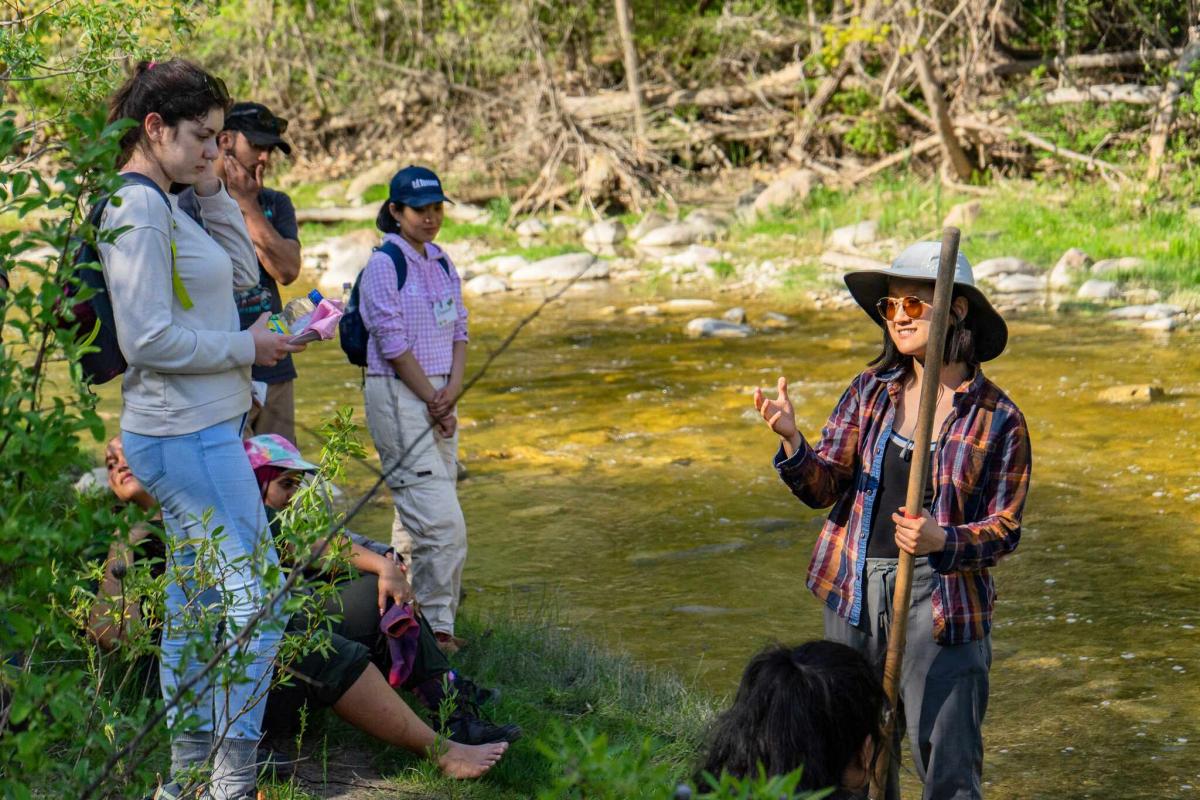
(175,90)
(812,706)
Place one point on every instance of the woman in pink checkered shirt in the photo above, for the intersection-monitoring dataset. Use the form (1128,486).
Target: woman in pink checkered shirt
(412,307)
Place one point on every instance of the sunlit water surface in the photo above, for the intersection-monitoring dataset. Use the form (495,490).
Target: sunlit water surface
(616,468)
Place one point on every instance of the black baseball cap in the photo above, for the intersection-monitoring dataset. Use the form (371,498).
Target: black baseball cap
(256,122)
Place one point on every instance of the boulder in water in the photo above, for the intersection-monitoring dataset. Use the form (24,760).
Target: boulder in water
(683,305)
(558,269)
(1098,290)
(708,327)
(1132,394)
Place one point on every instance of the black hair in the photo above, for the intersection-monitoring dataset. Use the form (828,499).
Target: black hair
(960,346)
(175,90)
(384,219)
(810,706)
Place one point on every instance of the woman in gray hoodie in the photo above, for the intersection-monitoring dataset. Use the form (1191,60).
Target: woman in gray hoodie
(185,397)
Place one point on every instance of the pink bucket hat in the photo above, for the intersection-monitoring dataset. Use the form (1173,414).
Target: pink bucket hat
(273,450)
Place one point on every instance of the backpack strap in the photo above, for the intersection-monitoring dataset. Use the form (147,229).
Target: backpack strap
(445,265)
(393,251)
(181,292)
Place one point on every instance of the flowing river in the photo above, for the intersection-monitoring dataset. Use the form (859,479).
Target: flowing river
(617,472)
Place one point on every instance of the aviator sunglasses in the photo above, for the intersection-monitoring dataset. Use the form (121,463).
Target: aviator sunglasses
(914,307)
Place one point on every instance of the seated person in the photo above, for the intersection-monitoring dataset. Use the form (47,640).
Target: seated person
(280,470)
(818,706)
(344,679)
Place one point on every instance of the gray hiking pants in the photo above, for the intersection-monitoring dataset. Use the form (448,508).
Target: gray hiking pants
(943,689)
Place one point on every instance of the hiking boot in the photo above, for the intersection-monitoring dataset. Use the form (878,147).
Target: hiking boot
(471,692)
(469,729)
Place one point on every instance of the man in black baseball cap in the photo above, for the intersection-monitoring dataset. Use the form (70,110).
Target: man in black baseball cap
(251,135)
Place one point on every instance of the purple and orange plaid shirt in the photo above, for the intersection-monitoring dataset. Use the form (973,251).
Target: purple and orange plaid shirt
(403,319)
(981,472)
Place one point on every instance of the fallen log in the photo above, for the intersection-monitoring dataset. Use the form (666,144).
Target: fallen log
(1042,144)
(1132,93)
(357,214)
(898,157)
(1084,61)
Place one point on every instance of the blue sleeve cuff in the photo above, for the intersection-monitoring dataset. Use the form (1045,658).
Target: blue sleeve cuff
(944,561)
(785,464)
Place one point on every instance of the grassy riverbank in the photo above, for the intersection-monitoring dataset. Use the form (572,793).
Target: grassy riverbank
(1033,220)
(558,686)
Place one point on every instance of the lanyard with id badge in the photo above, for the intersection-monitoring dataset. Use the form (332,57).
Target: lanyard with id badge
(445,312)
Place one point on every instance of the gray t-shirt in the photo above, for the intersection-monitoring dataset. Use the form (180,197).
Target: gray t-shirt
(251,303)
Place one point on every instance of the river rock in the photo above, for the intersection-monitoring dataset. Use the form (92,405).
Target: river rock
(643,311)
(1018,284)
(682,305)
(791,187)
(707,327)
(565,221)
(1161,324)
(485,284)
(1146,312)
(673,234)
(773,319)
(604,233)
(1110,266)
(736,315)
(566,267)
(381,173)
(1140,296)
(1005,265)
(708,224)
(1138,393)
(1098,290)
(646,224)
(345,256)
(467,213)
(531,228)
(504,265)
(850,236)
(846,261)
(1070,266)
(963,215)
(695,256)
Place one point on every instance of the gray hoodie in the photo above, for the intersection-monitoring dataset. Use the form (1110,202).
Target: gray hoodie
(189,368)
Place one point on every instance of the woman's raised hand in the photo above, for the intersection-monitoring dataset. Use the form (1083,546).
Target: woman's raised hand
(778,413)
(270,346)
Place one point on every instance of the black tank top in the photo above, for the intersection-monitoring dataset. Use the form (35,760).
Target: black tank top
(890,496)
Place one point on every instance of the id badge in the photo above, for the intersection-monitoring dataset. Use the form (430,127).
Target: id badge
(445,312)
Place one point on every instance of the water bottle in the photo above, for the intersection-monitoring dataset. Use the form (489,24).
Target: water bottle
(297,312)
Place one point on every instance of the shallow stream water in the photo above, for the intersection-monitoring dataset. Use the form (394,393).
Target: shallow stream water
(617,471)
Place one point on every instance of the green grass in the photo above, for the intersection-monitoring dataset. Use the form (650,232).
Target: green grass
(1036,221)
(550,679)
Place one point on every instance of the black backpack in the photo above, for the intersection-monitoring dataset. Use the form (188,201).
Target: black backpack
(93,318)
(352,333)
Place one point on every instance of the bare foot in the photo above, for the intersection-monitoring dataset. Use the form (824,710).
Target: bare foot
(470,761)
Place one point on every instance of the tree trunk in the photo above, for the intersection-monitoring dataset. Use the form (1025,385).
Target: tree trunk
(1164,117)
(951,148)
(625,25)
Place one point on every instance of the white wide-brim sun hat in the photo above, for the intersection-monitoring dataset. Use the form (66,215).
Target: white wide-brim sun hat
(919,262)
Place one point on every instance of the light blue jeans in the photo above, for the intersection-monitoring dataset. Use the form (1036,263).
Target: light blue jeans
(220,549)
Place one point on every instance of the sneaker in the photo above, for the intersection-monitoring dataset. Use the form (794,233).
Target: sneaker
(468,729)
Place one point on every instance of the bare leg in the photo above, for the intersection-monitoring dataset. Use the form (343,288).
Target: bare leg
(374,707)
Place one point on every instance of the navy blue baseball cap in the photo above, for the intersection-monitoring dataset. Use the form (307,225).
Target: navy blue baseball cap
(416,187)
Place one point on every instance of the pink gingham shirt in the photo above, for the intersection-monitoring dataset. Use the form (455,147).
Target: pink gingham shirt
(401,320)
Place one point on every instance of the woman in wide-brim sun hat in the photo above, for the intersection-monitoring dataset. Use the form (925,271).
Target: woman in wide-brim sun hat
(970,517)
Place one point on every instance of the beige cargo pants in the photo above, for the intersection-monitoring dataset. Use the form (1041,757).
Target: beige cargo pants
(422,471)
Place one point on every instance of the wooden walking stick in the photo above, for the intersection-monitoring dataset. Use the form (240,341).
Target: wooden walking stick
(943,294)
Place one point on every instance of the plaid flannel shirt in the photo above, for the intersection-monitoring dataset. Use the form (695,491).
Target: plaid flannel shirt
(981,466)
